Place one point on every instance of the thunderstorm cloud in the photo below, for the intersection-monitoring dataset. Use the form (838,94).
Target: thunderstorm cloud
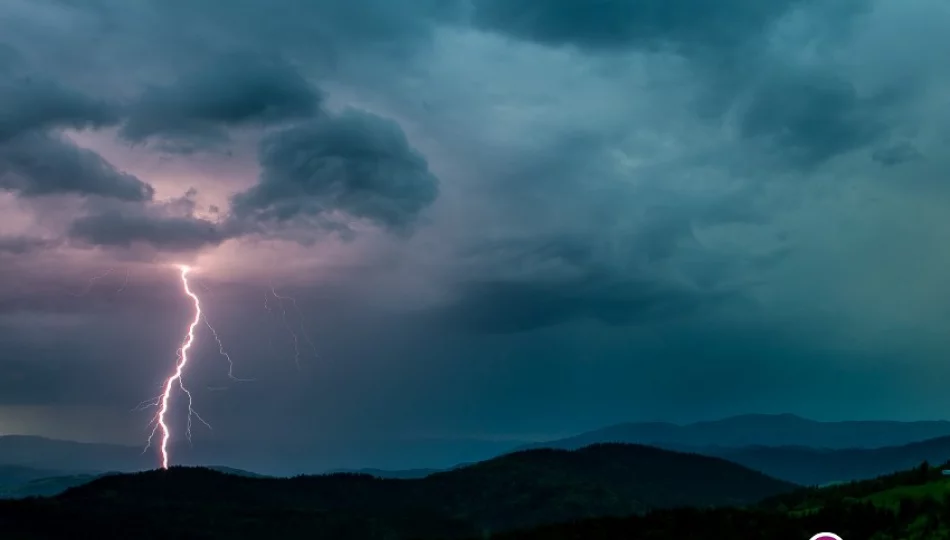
(496,219)
(230,91)
(38,164)
(354,162)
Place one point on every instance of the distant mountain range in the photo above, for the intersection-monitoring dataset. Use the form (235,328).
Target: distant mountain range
(405,453)
(785,446)
(789,447)
(843,451)
(43,453)
(816,467)
(760,430)
(517,490)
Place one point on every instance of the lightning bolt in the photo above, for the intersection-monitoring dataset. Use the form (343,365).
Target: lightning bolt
(92,281)
(283,312)
(126,282)
(162,401)
(159,422)
(303,329)
(224,353)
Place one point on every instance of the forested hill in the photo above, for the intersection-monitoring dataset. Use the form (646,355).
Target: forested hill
(518,490)
(910,505)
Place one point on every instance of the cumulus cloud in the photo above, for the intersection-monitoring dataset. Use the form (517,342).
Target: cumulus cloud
(354,162)
(35,165)
(167,226)
(232,91)
(123,229)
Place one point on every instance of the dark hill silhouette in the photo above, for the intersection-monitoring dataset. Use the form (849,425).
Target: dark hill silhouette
(20,482)
(909,505)
(522,489)
(759,430)
(40,483)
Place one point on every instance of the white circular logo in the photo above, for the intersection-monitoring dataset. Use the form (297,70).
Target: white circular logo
(825,536)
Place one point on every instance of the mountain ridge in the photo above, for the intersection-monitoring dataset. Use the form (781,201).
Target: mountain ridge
(759,429)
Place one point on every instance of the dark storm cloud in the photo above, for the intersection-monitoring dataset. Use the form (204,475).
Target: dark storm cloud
(35,165)
(810,117)
(607,206)
(543,282)
(234,90)
(167,226)
(359,22)
(21,245)
(682,25)
(174,34)
(355,162)
(29,104)
(168,233)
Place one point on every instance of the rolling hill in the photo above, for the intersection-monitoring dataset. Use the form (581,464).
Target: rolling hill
(517,490)
(910,505)
(801,465)
(20,482)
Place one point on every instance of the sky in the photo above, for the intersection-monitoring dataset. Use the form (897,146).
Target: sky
(498,220)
